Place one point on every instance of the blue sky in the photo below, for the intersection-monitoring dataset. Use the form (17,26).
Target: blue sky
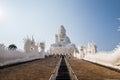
(84,20)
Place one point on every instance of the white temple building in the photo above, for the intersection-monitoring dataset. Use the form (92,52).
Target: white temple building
(92,48)
(62,44)
(30,46)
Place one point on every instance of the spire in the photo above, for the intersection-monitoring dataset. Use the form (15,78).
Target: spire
(33,39)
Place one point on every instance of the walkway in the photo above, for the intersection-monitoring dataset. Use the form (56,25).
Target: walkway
(63,73)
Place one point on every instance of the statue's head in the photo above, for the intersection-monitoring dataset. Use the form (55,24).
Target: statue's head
(62,29)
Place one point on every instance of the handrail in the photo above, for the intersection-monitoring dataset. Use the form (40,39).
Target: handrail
(71,72)
(55,72)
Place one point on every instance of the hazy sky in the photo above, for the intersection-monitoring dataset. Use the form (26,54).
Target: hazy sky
(84,20)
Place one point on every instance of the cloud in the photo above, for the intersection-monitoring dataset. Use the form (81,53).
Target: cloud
(119,28)
(118,18)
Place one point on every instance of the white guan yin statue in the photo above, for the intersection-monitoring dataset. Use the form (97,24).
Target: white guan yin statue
(62,44)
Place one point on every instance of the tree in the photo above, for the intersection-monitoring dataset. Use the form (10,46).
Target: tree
(12,47)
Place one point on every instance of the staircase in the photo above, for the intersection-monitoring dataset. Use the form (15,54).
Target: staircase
(63,73)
